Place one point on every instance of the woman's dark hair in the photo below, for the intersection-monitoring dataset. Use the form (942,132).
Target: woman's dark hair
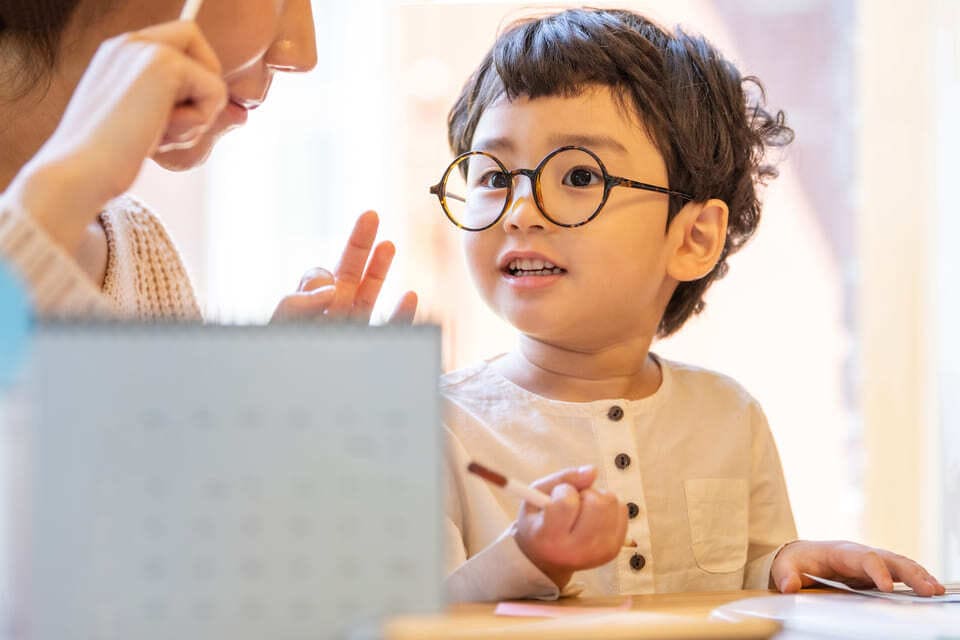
(707,121)
(34,27)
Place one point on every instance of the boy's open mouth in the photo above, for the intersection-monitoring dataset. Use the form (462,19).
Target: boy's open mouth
(521,267)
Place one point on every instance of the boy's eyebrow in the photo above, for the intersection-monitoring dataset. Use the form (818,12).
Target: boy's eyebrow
(494,144)
(561,140)
(588,140)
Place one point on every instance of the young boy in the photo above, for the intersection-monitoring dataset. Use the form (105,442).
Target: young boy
(607,170)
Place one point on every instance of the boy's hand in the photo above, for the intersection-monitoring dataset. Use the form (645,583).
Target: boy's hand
(352,290)
(854,564)
(581,528)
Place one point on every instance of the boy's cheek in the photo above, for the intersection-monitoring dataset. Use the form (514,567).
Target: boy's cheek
(481,259)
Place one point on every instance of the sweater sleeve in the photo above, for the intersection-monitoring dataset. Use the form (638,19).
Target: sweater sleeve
(58,287)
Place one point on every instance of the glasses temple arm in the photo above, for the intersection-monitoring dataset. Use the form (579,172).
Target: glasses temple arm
(633,184)
(435,190)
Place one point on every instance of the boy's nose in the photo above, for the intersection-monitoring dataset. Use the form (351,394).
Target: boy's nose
(522,212)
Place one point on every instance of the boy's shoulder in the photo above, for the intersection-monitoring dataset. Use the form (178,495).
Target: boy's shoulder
(474,379)
(696,383)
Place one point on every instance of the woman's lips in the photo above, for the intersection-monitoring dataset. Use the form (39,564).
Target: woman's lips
(238,109)
(236,113)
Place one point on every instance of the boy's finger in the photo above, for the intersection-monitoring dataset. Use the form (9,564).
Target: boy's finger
(599,518)
(372,283)
(792,583)
(916,577)
(591,517)
(785,575)
(406,309)
(559,516)
(874,567)
(350,270)
(580,478)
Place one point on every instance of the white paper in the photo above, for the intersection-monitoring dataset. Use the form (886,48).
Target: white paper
(837,614)
(901,593)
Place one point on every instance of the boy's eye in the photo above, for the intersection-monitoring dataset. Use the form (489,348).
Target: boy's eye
(495,180)
(582,177)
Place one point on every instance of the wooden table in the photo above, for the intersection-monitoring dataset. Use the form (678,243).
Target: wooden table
(477,620)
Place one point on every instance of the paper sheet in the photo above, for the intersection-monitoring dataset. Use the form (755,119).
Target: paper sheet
(900,593)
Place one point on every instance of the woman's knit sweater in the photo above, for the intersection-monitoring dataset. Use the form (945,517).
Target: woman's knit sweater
(145,276)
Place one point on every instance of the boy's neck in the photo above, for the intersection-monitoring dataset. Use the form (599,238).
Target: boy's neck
(624,370)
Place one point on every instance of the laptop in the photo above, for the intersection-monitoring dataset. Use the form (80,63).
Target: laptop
(187,481)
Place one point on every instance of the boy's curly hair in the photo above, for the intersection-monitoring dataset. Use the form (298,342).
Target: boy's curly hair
(707,121)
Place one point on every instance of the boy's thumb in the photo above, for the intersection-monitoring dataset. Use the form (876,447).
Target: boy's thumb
(580,478)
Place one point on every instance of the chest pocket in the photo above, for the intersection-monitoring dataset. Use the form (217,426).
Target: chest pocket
(718,514)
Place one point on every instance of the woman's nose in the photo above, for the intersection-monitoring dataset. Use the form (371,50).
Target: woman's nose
(295,48)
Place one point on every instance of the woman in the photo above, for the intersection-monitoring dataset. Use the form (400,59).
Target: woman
(91,88)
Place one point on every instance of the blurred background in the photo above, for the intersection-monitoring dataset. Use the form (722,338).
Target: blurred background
(839,317)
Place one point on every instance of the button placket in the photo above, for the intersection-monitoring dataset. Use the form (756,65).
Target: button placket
(618,445)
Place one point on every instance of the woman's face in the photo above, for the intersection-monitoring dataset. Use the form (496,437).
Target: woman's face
(253,39)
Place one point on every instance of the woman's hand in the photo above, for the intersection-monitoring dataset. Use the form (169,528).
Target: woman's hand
(352,290)
(849,562)
(153,90)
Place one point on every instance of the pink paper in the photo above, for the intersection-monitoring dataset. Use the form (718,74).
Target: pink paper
(528,610)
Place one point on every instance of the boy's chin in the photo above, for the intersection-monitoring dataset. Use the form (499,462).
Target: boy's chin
(540,327)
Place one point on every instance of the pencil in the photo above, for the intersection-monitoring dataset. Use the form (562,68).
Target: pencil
(537,498)
(190,10)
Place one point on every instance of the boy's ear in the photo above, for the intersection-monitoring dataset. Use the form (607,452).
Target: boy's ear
(697,236)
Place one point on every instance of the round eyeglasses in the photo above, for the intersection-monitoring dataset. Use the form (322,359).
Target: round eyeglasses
(570,187)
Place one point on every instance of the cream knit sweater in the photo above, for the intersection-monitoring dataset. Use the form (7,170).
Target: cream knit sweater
(145,278)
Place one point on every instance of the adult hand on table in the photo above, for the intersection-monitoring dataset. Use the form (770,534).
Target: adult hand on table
(145,92)
(350,292)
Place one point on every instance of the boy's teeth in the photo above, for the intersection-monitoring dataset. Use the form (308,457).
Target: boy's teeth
(525,264)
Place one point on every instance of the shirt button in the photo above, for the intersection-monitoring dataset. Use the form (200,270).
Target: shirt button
(637,562)
(615,413)
(622,461)
(632,510)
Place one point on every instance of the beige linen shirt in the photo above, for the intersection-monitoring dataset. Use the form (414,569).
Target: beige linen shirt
(696,459)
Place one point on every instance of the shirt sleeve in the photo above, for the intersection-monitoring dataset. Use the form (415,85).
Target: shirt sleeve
(58,287)
(771,518)
(498,571)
